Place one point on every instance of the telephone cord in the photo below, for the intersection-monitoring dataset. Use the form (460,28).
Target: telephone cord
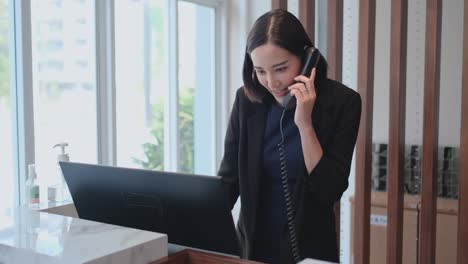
(287,195)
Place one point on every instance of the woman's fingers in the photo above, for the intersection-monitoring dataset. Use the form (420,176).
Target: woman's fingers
(313,73)
(298,94)
(308,82)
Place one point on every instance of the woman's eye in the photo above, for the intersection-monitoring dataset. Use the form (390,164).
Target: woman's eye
(260,72)
(282,69)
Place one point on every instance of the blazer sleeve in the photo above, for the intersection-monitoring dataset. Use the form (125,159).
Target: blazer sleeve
(329,179)
(229,168)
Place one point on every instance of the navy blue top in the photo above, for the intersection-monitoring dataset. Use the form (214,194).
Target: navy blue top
(271,215)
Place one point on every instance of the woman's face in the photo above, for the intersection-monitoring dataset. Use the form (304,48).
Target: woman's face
(275,68)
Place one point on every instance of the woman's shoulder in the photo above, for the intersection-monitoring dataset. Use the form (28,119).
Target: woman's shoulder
(337,89)
(243,100)
(334,93)
(240,94)
(246,107)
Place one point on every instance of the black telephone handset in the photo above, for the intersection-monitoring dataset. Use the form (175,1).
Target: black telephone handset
(309,61)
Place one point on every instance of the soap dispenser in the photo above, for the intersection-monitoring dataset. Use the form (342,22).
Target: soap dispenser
(62,156)
(60,191)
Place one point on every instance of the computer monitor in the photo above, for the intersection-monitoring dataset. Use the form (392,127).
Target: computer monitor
(193,210)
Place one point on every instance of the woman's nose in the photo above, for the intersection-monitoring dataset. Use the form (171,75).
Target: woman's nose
(272,83)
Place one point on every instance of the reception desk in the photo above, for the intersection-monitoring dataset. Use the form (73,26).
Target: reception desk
(53,233)
(33,236)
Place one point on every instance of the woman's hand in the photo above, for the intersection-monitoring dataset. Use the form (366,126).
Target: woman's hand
(304,91)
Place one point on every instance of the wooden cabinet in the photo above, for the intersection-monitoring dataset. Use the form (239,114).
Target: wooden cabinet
(446,240)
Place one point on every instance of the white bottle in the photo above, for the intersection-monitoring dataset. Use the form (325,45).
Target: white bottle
(60,192)
(32,188)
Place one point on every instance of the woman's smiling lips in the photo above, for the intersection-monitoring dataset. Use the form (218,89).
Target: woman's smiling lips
(281,92)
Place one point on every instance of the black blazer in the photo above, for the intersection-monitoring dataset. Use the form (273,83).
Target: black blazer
(336,117)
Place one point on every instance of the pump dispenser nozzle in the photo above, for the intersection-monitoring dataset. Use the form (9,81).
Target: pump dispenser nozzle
(59,192)
(62,156)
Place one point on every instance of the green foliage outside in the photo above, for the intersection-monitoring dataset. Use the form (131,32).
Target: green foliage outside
(154,151)
(4,63)
(186,143)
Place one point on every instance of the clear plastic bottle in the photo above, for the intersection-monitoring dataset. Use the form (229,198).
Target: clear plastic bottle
(32,188)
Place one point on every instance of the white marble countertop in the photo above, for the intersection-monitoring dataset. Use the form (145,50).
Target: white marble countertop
(31,236)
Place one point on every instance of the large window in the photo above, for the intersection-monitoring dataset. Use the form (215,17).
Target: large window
(127,82)
(165,121)
(64,89)
(7,178)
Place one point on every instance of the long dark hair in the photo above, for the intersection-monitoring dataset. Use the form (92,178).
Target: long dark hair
(283,29)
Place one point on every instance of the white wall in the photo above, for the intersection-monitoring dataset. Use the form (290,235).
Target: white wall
(450,77)
(350,48)
(451,74)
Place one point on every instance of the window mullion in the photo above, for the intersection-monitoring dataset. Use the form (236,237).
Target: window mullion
(105,82)
(171,111)
(22,92)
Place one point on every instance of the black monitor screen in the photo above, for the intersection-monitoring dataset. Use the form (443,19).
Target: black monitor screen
(193,210)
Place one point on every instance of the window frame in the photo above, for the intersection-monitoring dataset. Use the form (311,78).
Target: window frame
(21,93)
(105,82)
(21,85)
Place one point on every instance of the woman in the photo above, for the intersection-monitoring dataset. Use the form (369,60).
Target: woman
(319,137)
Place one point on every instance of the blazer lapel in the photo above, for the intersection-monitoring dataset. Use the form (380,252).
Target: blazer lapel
(255,130)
